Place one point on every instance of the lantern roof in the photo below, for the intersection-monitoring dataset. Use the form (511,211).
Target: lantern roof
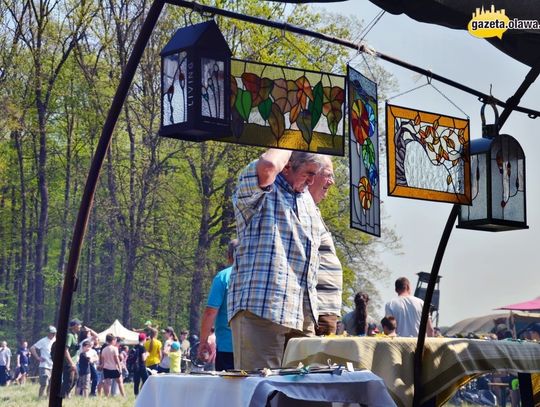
(203,35)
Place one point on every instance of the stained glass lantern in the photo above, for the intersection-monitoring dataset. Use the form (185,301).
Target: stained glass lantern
(497,183)
(195,88)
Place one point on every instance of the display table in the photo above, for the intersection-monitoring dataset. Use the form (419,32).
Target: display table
(200,391)
(447,363)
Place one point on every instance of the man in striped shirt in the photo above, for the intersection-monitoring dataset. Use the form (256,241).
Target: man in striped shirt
(330,273)
(272,294)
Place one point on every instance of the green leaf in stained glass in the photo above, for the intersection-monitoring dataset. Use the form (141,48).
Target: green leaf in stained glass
(368,153)
(243,103)
(265,108)
(315,106)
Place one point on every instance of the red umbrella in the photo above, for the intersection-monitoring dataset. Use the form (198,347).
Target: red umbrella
(532,305)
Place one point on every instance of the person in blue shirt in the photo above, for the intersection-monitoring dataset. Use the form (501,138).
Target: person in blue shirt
(215,314)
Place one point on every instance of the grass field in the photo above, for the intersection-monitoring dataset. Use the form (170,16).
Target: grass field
(26,396)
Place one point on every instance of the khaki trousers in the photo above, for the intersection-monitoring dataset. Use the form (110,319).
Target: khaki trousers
(259,342)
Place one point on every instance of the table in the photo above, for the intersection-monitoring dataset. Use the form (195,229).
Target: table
(193,390)
(448,363)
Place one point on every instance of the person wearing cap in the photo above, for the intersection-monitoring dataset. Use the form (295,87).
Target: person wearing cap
(69,373)
(170,337)
(140,374)
(215,314)
(41,351)
(175,356)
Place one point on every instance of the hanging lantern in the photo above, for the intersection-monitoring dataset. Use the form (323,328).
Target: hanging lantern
(195,84)
(497,182)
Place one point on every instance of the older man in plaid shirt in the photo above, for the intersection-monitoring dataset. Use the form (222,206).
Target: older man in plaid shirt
(272,294)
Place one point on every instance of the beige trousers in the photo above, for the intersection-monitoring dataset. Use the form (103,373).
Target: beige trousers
(259,342)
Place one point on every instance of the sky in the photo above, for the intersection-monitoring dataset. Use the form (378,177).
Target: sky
(481,271)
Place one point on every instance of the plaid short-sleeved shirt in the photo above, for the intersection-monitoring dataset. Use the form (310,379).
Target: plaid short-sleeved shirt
(276,262)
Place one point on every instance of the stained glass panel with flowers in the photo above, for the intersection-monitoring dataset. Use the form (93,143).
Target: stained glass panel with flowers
(364,153)
(427,155)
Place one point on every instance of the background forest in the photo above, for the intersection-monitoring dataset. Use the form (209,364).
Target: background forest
(162,215)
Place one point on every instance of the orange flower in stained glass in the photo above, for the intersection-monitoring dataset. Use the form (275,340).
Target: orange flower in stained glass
(360,121)
(365,193)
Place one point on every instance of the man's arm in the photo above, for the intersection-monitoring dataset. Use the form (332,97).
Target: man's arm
(35,354)
(208,319)
(270,165)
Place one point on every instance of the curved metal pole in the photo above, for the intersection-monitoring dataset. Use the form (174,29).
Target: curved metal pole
(427,304)
(70,278)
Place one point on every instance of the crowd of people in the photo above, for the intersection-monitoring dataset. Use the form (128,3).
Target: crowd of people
(283,280)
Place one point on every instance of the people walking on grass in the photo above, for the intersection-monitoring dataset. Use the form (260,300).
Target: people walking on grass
(23,361)
(41,351)
(112,369)
(5,363)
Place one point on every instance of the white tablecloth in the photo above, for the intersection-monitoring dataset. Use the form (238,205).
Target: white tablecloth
(200,391)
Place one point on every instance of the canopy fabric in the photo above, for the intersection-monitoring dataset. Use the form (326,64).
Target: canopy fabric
(488,323)
(532,305)
(119,330)
(483,324)
(522,45)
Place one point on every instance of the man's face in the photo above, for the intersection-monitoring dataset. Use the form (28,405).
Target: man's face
(51,335)
(76,328)
(302,177)
(322,182)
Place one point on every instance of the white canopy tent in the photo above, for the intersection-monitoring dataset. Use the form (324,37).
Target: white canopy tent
(119,330)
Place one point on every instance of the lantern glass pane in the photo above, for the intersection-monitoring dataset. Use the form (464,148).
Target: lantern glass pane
(508,181)
(478,210)
(212,88)
(364,154)
(174,100)
(427,155)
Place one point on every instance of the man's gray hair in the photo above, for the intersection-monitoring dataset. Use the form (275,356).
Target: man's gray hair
(233,244)
(299,158)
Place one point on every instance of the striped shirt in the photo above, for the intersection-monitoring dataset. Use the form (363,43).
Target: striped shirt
(329,277)
(276,262)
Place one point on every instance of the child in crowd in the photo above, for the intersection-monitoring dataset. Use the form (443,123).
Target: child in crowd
(175,356)
(83,383)
(23,359)
(389,325)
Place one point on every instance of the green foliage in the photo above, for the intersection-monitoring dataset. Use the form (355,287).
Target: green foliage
(162,213)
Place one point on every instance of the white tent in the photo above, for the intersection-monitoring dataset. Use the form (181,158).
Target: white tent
(119,330)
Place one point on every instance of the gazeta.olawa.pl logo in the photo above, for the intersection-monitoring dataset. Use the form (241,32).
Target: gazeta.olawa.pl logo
(494,23)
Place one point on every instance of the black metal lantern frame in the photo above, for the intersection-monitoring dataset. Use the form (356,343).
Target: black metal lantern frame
(498,184)
(195,88)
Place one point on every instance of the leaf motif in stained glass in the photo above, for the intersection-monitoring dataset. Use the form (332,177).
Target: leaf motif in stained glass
(333,99)
(315,106)
(304,124)
(304,91)
(265,108)
(276,121)
(368,153)
(259,88)
(243,103)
